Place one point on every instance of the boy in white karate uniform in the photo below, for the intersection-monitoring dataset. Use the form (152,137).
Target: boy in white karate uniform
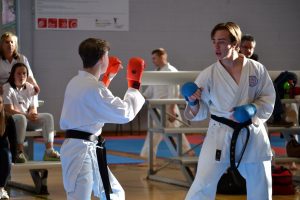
(238,90)
(88,105)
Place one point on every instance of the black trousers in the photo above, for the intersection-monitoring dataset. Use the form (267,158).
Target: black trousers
(5,161)
(12,137)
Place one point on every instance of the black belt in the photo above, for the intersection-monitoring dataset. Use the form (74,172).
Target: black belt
(101,155)
(237,127)
(75,134)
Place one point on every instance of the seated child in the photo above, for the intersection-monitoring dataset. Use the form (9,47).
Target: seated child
(18,96)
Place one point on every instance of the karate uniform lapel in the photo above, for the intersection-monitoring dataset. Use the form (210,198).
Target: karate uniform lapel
(240,90)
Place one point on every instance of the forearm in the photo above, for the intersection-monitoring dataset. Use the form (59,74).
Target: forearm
(198,112)
(11,111)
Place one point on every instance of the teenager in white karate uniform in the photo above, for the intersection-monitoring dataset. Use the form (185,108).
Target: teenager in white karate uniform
(88,105)
(233,82)
(160,60)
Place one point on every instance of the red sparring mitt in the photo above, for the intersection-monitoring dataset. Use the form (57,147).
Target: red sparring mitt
(135,70)
(113,68)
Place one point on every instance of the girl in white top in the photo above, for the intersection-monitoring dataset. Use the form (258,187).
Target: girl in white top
(18,96)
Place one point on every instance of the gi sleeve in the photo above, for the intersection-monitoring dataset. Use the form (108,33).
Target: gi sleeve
(116,110)
(202,82)
(265,96)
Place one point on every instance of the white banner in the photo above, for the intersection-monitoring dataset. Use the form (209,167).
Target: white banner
(105,15)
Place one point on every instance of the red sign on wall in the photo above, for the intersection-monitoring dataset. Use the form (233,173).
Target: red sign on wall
(73,23)
(63,23)
(42,22)
(52,23)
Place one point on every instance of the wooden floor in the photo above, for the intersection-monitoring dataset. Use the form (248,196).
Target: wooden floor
(132,178)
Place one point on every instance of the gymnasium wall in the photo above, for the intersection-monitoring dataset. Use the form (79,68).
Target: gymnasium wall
(182,27)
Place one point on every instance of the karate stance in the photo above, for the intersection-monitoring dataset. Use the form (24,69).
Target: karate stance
(88,105)
(239,94)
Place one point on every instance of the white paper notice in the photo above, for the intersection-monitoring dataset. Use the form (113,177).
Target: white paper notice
(105,15)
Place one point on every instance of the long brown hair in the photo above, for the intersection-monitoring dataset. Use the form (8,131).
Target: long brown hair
(2,119)
(11,78)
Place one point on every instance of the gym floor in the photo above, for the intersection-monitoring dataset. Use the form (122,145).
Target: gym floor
(132,178)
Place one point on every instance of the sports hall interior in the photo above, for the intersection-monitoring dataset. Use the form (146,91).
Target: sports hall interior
(183,29)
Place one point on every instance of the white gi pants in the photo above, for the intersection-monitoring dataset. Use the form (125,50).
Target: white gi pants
(84,183)
(81,173)
(44,122)
(258,178)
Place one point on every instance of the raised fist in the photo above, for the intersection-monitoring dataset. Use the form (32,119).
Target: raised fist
(187,90)
(113,68)
(135,70)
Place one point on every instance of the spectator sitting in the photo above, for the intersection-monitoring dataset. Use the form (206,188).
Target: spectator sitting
(9,55)
(18,96)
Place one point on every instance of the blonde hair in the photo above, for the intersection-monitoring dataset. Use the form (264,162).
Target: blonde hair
(4,36)
(2,119)
(233,29)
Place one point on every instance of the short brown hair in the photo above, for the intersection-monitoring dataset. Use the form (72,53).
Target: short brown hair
(233,29)
(91,50)
(248,37)
(159,52)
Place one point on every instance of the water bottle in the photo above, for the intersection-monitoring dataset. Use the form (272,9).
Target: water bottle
(286,89)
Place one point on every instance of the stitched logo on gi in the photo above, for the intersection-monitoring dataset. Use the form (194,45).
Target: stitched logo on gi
(253,81)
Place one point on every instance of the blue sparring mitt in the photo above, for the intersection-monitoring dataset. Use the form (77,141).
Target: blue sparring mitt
(187,90)
(244,113)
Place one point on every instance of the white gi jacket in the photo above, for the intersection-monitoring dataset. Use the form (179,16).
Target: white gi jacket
(220,94)
(88,105)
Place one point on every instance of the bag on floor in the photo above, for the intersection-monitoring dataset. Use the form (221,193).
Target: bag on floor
(282,78)
(282,181)
(293,148)
(228,185)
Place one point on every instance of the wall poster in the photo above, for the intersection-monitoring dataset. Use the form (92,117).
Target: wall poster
(105,15)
